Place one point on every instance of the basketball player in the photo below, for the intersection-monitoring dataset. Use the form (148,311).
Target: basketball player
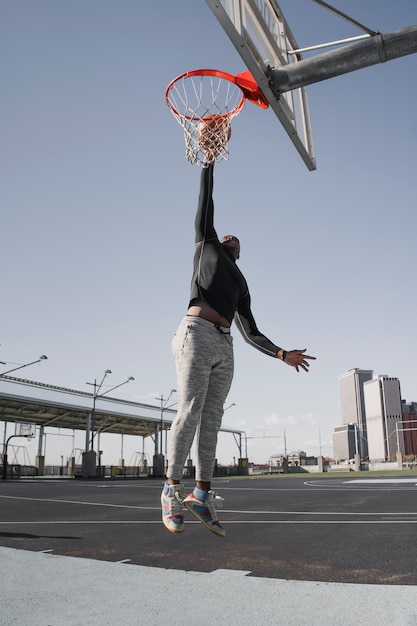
(203,351)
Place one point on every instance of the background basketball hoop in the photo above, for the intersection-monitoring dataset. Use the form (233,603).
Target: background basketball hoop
(24,429)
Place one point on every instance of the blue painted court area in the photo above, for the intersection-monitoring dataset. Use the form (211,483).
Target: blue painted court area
(297,550)
(43,589)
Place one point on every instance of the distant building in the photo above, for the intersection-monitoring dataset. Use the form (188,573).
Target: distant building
(353,412)
(409,415)
(345,442)
(295,459)
(382,396)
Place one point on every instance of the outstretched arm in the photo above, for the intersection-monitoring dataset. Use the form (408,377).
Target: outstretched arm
(204,219)
(246,324)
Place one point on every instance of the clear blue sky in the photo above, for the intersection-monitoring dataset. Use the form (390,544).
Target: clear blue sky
(98,205)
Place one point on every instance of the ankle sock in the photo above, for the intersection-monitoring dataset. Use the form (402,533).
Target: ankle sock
(200,494)
(167,486)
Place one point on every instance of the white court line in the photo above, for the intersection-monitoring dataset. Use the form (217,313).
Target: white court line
(247,522)
(115,506)
(376,481)
(234,511)
(240,512)
(367,485)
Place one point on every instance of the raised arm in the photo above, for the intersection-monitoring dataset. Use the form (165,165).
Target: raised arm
(204,225)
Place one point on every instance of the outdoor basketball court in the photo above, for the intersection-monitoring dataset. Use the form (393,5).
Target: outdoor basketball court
(352,530)
(96,553)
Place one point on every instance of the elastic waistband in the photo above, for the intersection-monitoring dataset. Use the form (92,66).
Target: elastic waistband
(222,329)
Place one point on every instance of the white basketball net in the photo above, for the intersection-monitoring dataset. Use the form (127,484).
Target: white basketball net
(204,106)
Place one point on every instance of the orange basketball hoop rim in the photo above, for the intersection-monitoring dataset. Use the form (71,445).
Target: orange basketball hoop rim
(244,80)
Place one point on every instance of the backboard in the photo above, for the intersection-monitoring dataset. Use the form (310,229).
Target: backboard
(23,429)
(262,37)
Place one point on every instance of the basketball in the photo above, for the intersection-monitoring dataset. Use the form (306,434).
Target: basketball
(214,131)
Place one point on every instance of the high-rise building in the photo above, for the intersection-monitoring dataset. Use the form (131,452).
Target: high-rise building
(345,442)
(353,407)
(409,412)
(382,398)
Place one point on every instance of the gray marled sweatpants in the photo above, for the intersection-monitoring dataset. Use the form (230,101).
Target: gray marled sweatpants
(204,360)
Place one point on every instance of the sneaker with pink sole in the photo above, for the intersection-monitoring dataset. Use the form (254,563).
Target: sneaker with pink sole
(204,511)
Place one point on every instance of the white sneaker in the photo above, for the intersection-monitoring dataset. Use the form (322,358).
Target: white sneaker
(205,511)
(172,516)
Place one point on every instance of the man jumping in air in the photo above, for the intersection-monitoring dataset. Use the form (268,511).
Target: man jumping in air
(203,352)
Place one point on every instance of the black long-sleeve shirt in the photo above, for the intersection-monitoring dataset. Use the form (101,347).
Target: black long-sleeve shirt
(216,279)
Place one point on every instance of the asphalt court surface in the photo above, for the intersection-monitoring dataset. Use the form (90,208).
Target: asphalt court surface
(331,529)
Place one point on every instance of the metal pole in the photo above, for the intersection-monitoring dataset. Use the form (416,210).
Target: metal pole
(376,49)
(162,421)
(5,460)
(87,431)
(345,17)
(93,415)
(98,445)
(40,440)
(5,463)
(161,424)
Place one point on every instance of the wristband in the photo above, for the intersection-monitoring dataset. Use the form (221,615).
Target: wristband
(284,355)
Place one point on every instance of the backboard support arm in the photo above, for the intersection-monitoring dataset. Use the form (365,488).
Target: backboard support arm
(346,17)
(371,51)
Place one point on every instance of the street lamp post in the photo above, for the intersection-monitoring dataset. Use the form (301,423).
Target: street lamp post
(41,358)
(96,395)
(89,457)
(164,406)
(93,412)
(158,459)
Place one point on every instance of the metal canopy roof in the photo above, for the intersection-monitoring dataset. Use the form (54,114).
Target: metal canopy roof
(58,407)
(61,415)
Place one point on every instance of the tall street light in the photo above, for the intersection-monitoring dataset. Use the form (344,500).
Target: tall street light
(164,406)
(41,358)
(96,395)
